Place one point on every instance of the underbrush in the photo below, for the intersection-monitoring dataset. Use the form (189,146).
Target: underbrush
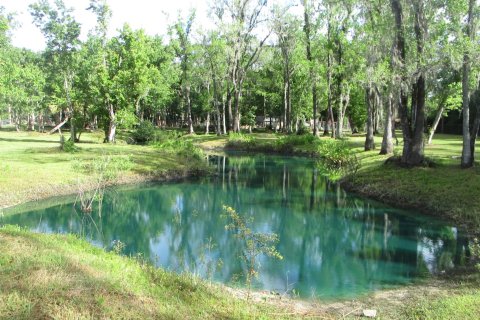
(180,147)
(337,159)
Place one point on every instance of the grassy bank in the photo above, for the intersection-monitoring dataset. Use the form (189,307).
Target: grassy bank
(63,277)
(33,167)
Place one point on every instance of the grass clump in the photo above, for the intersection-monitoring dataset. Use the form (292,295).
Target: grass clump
(291,143)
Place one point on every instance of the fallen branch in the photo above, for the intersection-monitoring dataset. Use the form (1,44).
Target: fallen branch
(59,126)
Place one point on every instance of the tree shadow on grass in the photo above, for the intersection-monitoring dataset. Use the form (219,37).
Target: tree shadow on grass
(29,140)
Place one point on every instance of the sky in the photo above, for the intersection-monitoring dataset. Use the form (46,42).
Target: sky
(151,15)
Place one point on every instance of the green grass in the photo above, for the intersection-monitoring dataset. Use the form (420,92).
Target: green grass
(444,190)
(63,277)
(453,307)
(32,166)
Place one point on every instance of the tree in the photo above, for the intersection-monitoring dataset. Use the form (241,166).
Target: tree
(285,27)
(245,18)
(62,34)
(413,121)
(183,49)
(470,131)
(307,28)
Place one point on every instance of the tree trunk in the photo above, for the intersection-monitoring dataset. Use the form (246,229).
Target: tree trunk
(189,109)
(207,124)
(412,132)
(224,118)
(311,62)
(112,125)
(230,114)
(236,111)
(467,156)
(370,138)
(387,142)
(57,127)
(438,117)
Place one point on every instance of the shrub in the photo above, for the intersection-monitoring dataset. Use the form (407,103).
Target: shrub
(164,135)
(144,133)
(303,129)
(181,147)
(68,146)
(241,141)
(337,159)
(287,144)
(240,137)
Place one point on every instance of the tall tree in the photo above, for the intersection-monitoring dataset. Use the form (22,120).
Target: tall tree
(307,28)
(183,48)
(240,19)
(470,132)
(61,32)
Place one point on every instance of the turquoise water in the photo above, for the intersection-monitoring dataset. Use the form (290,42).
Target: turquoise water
(334,244)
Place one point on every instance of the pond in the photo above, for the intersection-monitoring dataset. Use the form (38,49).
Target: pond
(334,244)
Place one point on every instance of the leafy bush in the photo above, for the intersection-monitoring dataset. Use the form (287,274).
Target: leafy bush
(337,159)
(181,147)
(240,137)
(475,252)
(287,144)
(303,129)
(144,133)
(164,135)
(242,142)
(68,146)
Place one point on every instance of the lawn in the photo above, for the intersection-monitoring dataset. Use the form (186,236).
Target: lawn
(33,167)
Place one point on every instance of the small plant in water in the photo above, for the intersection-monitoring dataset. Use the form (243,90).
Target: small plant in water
(256,244)
(207,261)
(118,246)
(101,171)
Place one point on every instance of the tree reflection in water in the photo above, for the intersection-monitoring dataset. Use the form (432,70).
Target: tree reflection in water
(334,244)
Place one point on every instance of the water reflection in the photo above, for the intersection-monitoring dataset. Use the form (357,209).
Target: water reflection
(334,244)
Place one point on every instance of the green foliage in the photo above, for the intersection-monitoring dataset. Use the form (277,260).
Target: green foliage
(303,129)
(236,137)
(144,133)
(162,136)
(475,252)
(255,243)
(107,167)
(241,141)
(337,159)
(181,147)
(69,146)
(287,144)
(118,246)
